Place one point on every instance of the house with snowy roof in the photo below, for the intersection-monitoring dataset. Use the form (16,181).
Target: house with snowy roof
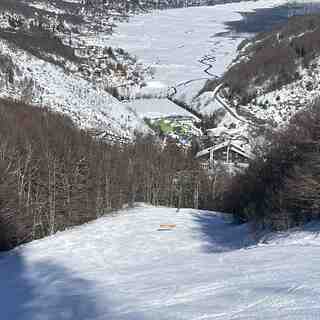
(229,153)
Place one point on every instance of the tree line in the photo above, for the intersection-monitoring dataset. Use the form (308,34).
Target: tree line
(54,176)
(281,187)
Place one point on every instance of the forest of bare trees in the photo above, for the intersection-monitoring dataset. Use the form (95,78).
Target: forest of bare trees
(53,176)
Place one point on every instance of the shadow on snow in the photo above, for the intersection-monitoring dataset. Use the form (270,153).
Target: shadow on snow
(43,290)
(218,234)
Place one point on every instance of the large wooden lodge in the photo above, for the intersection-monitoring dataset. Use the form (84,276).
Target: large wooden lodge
(229,153)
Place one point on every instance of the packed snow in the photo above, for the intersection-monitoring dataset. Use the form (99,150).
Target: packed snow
(123,267)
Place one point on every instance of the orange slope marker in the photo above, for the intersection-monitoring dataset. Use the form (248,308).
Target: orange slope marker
(166,227)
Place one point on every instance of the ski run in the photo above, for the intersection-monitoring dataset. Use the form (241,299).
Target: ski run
(123,267)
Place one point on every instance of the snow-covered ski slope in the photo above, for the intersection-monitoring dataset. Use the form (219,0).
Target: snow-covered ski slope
(121,267)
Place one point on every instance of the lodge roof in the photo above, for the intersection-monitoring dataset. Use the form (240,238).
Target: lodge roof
(231,144)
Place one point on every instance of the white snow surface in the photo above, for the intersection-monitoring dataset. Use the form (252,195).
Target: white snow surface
(88,106)
(159,108)
(174,41)
(122,267)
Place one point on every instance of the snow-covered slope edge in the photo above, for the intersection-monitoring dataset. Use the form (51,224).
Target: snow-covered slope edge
(122,267)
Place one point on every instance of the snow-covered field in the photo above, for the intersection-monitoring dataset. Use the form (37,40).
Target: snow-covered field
(159,108)
(122,267)
(175,41)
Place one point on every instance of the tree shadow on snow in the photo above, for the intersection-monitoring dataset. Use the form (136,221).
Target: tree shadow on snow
(218,234)
(43,290)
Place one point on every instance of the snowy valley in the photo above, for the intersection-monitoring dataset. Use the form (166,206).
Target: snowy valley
(159,159)
(78,56)
(189,65)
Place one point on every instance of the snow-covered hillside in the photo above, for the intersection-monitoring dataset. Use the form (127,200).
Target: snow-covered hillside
(46,61)
(122,267)
(48,85)
(274,75)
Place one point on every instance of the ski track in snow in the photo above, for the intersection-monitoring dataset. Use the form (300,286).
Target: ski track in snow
(121,267)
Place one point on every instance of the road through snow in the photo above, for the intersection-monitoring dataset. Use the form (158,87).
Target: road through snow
(121,267)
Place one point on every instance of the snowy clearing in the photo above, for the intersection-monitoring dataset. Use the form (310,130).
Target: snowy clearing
(122,267)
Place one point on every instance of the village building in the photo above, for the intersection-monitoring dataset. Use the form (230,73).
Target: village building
(228,153)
